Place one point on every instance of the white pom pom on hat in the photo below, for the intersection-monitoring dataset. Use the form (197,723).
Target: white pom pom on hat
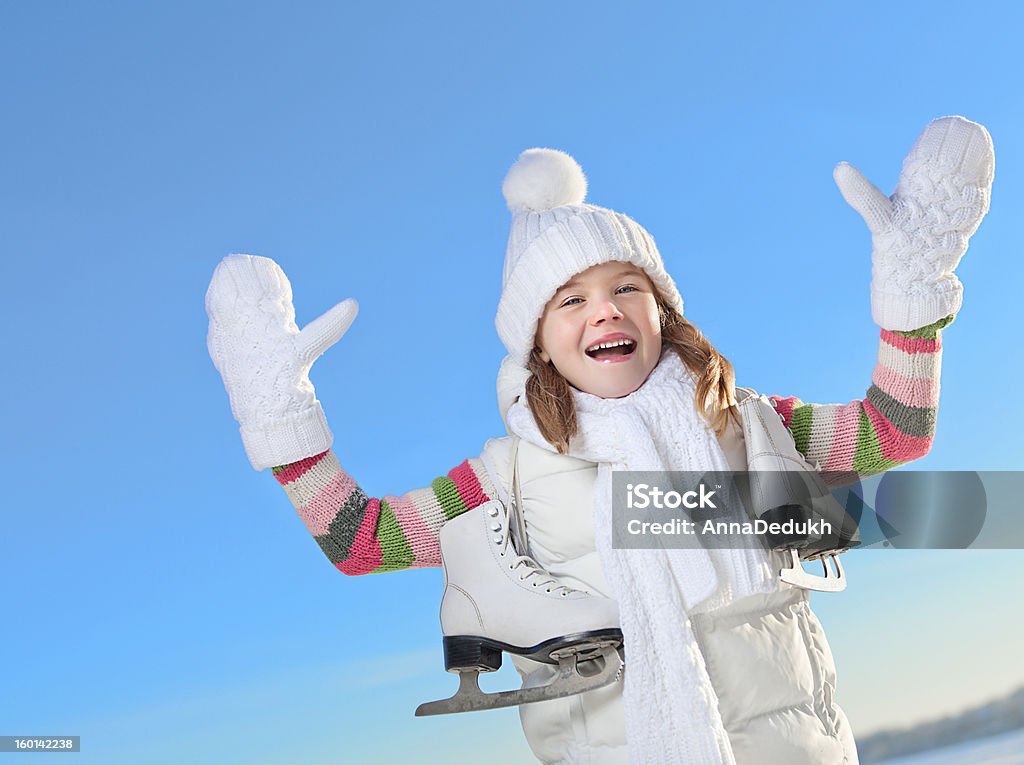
(554,236)
(544,178)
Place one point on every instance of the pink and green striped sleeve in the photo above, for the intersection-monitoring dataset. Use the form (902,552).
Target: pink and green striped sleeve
(367,535)
(892,425)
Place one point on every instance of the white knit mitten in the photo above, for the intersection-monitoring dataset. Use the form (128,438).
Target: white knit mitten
(920,233)
(264,359)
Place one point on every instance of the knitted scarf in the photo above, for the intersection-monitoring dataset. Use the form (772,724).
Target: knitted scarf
(672,715)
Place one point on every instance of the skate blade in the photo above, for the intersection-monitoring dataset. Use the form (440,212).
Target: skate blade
(568,682)
(832,581)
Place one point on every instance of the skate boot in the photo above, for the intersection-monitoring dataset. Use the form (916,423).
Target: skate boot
(784,488)
(498,600)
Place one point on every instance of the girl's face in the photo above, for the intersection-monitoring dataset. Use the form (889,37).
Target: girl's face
(601,330)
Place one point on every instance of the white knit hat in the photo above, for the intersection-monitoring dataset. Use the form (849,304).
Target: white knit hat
(556,236)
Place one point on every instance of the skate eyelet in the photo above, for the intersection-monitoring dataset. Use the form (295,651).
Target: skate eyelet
(493,512)
(497,540)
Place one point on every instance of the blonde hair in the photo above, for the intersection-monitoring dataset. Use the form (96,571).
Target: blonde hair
(549,395)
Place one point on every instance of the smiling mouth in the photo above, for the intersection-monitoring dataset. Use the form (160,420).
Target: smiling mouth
(617,349)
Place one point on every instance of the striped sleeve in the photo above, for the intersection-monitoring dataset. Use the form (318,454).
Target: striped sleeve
(892,425)
(368,535)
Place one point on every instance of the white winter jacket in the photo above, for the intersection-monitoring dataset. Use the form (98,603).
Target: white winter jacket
(766,655)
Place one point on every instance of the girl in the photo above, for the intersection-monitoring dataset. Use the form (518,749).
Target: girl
(603,372)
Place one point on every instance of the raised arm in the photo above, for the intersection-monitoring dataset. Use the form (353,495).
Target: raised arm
(367,535)
(264,360)
(918,237)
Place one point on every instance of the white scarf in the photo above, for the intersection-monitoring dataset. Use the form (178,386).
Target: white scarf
(672,715)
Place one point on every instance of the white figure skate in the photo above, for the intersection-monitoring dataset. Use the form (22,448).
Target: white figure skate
(498,600)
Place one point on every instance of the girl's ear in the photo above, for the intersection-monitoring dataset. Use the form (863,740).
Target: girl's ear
(542,355)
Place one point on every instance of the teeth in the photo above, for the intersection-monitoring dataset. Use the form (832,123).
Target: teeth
(612,344)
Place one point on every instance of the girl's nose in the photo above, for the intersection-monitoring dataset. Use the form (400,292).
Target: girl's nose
(606,311)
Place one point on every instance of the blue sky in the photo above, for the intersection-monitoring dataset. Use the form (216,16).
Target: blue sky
(162,600)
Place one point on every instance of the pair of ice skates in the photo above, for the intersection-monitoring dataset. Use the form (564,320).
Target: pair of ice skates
(497,598)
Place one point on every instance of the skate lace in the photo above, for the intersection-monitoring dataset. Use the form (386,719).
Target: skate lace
(532,568)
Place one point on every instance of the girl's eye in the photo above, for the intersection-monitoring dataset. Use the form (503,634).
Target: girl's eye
(625,288)
(571,301)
